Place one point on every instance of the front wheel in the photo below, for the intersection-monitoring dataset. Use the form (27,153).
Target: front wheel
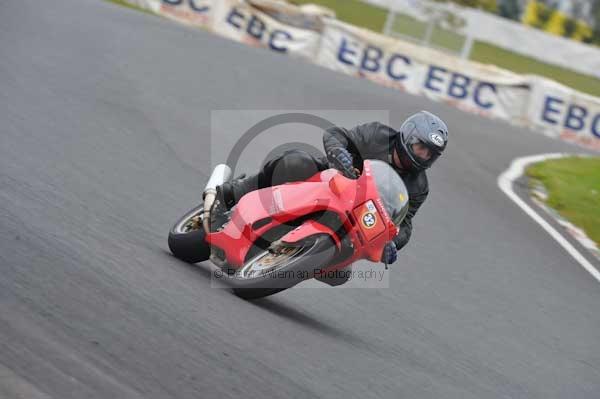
(267,272)
(187,237)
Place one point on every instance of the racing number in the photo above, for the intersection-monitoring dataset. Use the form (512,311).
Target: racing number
(369,220)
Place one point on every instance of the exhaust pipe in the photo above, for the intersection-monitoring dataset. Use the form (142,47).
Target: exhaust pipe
(221,174)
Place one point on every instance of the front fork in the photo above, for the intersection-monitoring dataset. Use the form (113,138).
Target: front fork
(221,174)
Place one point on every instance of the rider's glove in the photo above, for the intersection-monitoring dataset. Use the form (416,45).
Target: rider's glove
(340,159)
(390,253)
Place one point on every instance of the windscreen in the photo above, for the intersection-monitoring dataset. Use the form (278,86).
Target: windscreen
(391,189)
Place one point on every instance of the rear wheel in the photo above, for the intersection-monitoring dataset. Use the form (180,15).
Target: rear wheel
(272,270)
(186,237)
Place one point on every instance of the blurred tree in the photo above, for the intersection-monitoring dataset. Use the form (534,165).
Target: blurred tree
(595,37)
(509,9)
(537,15)
(569,27)
(583,32)
(547,17)
(544,16)
(530,16)
(556,23)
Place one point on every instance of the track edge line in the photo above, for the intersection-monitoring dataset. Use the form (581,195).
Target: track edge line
(505,183)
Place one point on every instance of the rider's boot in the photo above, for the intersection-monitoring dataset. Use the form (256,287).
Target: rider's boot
(228,194)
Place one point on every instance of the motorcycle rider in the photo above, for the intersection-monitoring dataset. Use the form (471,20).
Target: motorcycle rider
(411,150)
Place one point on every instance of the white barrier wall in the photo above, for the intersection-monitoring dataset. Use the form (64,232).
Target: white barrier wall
(486,90)
(238,20)
(563,112)
(473,87)
(190,12)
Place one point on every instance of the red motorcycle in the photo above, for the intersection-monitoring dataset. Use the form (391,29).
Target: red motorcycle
(277,237)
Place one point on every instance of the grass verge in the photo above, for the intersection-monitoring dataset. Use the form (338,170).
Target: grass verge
(124,3)
(354,12)
(573,186)
(371,17)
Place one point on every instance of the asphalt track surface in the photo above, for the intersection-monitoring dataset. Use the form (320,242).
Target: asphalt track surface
(104,142)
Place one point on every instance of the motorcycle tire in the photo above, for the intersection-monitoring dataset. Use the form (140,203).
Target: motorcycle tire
(315,253)
(188,244)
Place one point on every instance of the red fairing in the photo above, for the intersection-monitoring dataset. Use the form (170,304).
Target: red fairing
(307,229)
(356,203)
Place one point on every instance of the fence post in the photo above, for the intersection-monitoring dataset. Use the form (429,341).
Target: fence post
(389,22)
(429,32)
(465,53)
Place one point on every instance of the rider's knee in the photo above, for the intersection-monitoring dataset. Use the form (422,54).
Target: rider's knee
(293,165)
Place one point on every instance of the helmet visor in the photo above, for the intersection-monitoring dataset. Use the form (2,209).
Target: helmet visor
(421,153)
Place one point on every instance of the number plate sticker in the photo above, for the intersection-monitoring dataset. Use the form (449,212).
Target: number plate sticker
(369,219)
